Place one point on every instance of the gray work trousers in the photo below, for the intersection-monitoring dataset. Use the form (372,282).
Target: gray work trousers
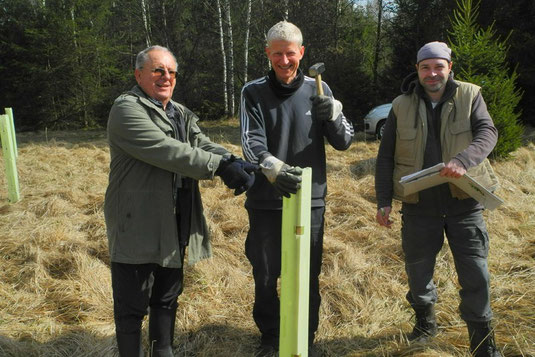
(422,240)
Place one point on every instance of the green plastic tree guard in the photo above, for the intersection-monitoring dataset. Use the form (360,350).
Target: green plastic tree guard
(10,161)
(9,112)
(295,270)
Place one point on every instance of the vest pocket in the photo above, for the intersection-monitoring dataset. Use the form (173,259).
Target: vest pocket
(406,146)
(401,170)
(460,126)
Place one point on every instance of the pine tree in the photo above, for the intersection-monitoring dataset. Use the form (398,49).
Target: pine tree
(479,57)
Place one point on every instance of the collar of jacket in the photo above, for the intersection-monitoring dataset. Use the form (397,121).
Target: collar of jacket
(153,103)
(285,90)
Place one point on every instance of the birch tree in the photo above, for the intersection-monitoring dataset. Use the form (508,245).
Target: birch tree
(223,55)
(146,22)
(165,27)
(246,44)
(230,58)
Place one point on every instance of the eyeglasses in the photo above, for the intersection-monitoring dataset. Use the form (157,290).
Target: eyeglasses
(161,72)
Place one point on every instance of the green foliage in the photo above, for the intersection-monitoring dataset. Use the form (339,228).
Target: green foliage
(64,62)
(60,68)
(416,22)
(480,57)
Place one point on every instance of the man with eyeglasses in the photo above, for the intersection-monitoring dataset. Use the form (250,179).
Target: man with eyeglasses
(153,207)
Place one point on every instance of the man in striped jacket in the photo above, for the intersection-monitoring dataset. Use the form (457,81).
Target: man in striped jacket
(284,125)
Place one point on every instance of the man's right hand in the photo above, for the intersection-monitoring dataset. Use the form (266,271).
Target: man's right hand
(237,174)
(285,178)
(383,215)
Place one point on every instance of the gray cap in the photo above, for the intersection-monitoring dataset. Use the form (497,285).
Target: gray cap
(434,50)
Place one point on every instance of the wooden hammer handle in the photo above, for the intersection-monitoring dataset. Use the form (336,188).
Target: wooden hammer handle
(318,84)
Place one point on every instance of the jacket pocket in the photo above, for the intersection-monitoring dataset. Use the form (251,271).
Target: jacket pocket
(400,171)
(459,126)
(143,220)
(406,146)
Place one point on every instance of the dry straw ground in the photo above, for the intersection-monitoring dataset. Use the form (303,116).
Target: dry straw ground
(55,295)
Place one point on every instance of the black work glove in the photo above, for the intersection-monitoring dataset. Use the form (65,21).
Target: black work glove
(322,107)
(288,180)
(237,174)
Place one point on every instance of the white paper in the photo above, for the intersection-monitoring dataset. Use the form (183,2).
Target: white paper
(425,172)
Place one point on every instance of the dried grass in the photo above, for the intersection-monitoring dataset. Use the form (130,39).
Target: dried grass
(55,291)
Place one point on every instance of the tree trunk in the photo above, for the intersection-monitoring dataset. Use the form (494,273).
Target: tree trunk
(223,56)
(77,50)
(377,43)
(246,45)
(146,22)
(165,29)
(265,31)
(230,83)
(131,40)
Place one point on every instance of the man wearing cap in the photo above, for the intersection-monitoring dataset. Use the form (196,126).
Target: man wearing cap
(438,119)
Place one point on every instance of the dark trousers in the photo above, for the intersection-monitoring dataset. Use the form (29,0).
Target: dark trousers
(422,240)
(138,287)
(263,249)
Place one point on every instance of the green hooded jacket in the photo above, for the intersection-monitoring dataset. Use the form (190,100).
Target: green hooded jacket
(147,161)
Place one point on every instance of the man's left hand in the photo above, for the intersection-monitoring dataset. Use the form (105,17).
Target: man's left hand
(322,107)
(453,169)
(325,108)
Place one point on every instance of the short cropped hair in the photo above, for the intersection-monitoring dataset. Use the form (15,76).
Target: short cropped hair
(143,56)
(285,31)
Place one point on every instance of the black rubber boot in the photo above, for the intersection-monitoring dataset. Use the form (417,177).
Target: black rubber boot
(482,342)
(129,344)
(426,324)
(161,331)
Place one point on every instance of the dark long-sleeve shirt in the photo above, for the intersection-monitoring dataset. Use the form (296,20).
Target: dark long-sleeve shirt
(276,120)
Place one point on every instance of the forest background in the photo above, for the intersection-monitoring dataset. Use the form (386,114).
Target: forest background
(63,62)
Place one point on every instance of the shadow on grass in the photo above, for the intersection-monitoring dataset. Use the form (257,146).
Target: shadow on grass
(363,168)
(208,341)
(228,340)
(231,341)
(79,343)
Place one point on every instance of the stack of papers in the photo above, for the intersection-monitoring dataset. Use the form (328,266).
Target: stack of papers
(431,177)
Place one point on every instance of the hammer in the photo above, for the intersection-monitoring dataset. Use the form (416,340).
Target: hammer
(316,71)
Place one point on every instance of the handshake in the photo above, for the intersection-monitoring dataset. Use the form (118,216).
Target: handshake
(237,174)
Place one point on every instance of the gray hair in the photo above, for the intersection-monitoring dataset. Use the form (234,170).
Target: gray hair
(285,31)
(143,56)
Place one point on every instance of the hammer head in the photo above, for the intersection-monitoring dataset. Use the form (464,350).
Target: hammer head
(316,69)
